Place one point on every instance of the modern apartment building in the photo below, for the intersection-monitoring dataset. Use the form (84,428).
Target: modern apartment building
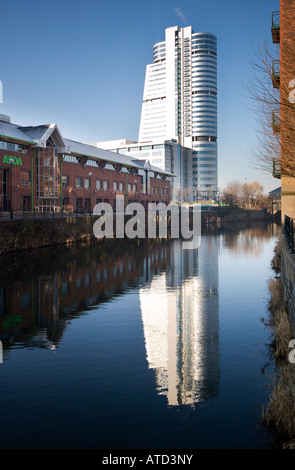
(180,101)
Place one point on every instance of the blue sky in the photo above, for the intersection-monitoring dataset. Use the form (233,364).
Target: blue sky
(81,64)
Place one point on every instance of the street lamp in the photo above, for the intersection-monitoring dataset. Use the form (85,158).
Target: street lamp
(90,174)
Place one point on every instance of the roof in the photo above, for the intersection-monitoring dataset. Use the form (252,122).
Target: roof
(38,135)
(12,131)
(275,192)
(111,157)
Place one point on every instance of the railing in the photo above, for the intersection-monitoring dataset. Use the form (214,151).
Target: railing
(275,27)
(289,231)
(276,170)
(16,215)
(276,122)
(275,73)
(275,19)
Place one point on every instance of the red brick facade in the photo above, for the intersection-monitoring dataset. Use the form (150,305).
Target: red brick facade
(78,190)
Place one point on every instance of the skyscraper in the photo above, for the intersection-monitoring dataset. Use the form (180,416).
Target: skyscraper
(180,101)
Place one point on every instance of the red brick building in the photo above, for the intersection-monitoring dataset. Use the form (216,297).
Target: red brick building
(283,76)
(41,171)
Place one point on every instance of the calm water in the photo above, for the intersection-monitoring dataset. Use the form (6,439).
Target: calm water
(145,346)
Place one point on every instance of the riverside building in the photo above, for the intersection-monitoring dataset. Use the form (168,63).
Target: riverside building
(283,120)
(42,171)
(180,101)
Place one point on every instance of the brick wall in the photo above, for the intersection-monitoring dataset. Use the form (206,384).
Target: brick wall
(17,187)
(19,178)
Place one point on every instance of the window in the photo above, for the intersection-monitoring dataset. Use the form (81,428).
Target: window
(86,183)
(129,188)
(79,182)
(134,188)
(121,187)
(25,203)
(78,204)
(91,163)
(13,147)
(25,177)
(115,186)
(98,184)
(105,185)
(87,205)
(65,181)
(71,159)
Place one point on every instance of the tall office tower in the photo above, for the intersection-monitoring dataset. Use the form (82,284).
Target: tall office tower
(180,101)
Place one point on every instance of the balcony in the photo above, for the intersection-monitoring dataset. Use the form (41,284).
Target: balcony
(275,27)
(275,123)
(276,172)
(275,73)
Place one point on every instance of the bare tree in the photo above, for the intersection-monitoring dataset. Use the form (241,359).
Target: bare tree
(245,195)
(274,105)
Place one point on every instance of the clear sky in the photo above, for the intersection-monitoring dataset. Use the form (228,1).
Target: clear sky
(81,64)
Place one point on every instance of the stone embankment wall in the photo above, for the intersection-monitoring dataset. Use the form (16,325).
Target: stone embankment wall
(288,278)
(30,233)
(26,234)
(223,215)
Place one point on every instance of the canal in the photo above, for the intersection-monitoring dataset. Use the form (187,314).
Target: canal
(137,345)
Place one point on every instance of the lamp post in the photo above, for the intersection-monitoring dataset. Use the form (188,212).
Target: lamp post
(90,174)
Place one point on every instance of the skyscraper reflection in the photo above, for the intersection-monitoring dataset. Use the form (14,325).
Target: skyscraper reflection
(181,324)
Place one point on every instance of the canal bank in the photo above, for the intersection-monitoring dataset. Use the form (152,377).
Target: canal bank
(279,412)
(37,231)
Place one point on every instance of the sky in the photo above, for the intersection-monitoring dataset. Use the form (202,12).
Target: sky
(81,64)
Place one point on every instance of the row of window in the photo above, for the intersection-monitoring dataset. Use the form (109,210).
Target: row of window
(99,184)
(156,190)
(13,147)
(203,179)
(203,106)
(204,139)
(202,52)
(144,147)
(104,185)
(205,165)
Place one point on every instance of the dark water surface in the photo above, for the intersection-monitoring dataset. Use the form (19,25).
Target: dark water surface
(143,346)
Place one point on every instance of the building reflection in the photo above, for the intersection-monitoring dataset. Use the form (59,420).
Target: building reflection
(43,293)
(181,324)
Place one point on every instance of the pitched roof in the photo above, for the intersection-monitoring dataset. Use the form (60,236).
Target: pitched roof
(38,136)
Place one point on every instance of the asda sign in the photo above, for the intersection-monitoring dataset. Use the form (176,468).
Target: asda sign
(10,160)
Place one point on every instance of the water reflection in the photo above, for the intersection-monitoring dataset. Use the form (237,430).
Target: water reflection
(42,291)
(181,325)
(98,341)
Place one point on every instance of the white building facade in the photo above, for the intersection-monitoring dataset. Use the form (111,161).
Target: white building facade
(165,154)
(180,102)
